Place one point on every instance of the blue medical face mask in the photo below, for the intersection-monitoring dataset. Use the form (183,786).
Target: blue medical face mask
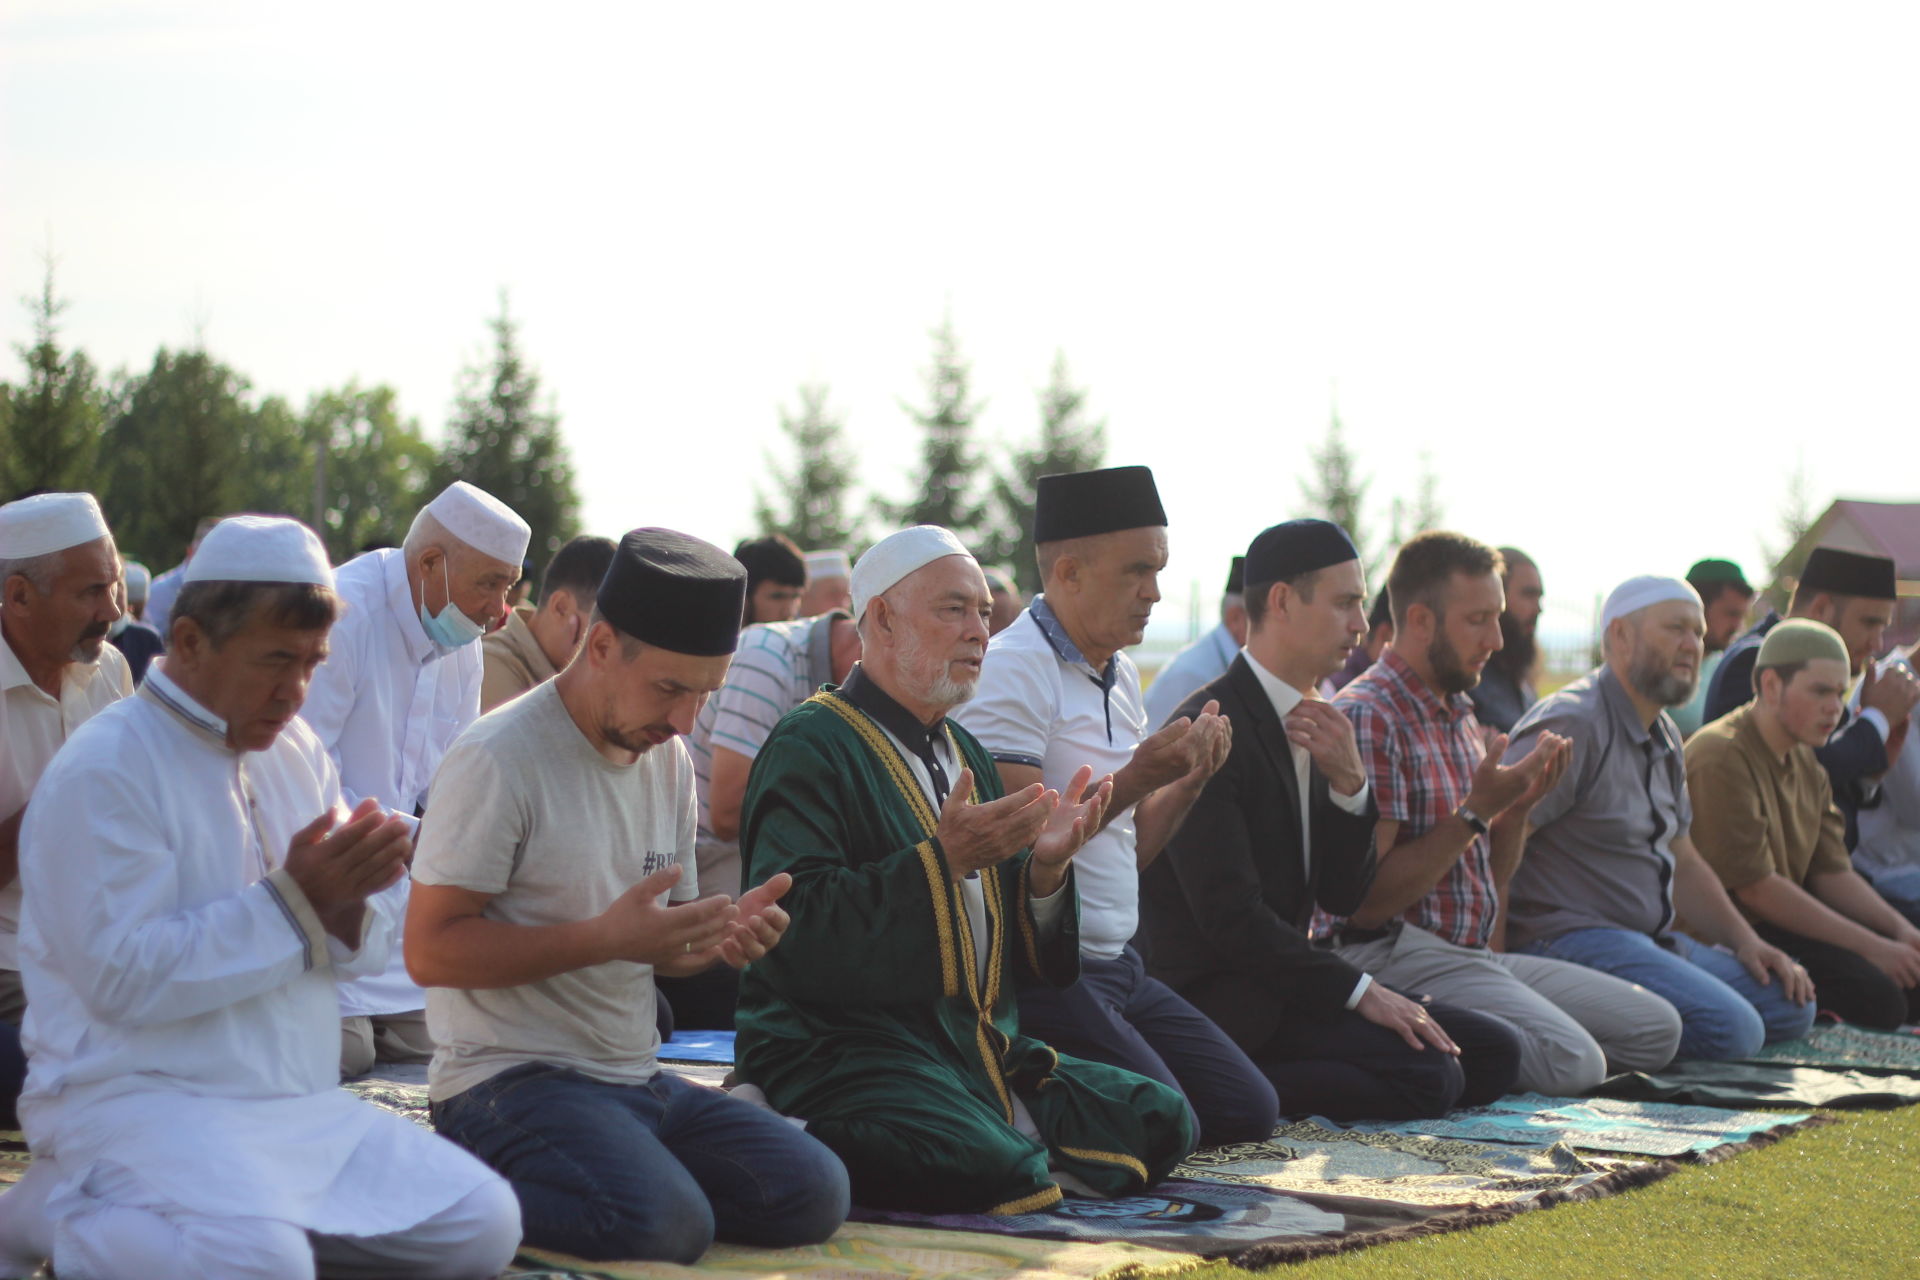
(450,629)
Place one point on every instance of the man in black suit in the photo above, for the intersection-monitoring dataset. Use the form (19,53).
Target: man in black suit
(1856,595)
(1226,910)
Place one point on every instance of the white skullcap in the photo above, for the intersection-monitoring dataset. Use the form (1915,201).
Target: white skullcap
(138,577)
(482,521)
(1636,594)
(895,556)
(49,522)
(260,549)
(827,564)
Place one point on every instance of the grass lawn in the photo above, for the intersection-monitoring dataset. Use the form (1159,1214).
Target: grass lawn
(1826,1203)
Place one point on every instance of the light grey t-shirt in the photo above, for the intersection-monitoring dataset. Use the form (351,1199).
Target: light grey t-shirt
(525,809)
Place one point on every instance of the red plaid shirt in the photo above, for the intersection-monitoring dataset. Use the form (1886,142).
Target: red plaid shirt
(1420,751)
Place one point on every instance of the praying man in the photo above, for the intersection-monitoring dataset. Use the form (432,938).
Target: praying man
(886,1020)
(194,886)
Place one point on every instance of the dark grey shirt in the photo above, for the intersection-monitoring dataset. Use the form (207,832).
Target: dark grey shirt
(1499,700)
(1601,854)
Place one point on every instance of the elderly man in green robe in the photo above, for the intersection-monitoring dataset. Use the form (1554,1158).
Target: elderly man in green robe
(886,1020)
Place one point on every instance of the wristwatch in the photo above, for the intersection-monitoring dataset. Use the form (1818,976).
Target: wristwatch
(1472,819)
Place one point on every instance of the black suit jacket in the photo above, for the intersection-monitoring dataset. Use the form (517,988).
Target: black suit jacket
(1225,908)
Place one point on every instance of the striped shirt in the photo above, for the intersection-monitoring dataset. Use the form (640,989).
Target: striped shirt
(1420,751)
(778,666)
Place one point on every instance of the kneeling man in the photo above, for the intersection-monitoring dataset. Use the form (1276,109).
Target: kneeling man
(193,889)
(555,865)
(920,894)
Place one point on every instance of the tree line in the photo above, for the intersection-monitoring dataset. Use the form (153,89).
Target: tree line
(188,437)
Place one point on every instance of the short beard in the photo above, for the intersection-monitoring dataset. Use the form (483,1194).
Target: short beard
(939,689)
(1449,673)
(1518,649)
(1658,684)
(89,647)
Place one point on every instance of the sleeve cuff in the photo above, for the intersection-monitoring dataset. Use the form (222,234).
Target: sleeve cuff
(1048,910)
(1018,757)
(1878,719)
(292,901)
(1354,804)
(1359,989)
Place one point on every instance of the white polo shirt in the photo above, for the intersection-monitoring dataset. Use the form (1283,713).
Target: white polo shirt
(1039,704)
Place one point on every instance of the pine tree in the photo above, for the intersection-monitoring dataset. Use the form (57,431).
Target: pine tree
(1068,441)
(1425,512)
(51,423)
(947,456)
(812,497)
(1336,492)
(504,441)
(1796,522)
(375,467)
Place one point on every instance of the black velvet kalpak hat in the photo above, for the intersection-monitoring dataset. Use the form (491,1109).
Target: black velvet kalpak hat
(676,592)
(1081,504)
(1849,573)
(1294,547)
(1237,576)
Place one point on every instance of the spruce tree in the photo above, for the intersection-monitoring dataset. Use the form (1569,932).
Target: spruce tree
(947,455)
(51,421)
(1334,489)
(1069,441)
(810,501)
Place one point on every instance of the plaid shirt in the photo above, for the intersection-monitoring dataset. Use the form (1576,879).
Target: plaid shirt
(1420,751)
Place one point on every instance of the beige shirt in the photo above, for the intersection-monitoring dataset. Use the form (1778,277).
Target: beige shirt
(33,726)
(526,811)
(513,661)
(1755,814)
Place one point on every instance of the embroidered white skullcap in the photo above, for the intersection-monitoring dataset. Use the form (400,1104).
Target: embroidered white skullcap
(827,564)
(1636,594)
(260,549)
(139,578)
(482,521)
(895,556)
(49,522)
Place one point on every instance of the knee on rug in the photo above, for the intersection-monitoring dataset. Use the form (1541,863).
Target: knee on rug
(1562,1066)
(807,1201)
(667,1226)
(905,1166)
(117,1242)
(485,1225)
(1720,1034)
(1248,1116)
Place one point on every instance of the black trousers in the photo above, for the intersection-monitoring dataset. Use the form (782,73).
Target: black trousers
(1845,982)
(1347,1068)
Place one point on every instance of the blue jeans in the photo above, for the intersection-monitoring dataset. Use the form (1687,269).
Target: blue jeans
(1901,889)
(652,1171)
(1724,1013)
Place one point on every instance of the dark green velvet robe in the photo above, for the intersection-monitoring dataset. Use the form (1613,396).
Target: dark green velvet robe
(868,1020)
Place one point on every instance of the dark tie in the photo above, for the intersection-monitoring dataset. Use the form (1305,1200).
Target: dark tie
(940,784)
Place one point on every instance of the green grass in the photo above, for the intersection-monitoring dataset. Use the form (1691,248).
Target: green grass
(1822,1204)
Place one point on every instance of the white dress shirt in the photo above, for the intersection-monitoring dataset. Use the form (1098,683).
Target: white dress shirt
(33,726)
(386,704)
(182,1023)
(1285,698)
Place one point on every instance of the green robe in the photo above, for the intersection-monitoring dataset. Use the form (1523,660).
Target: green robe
(868,1020)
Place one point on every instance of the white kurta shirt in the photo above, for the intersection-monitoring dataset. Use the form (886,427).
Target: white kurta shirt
(33,725)
(386,704)
(182,1023)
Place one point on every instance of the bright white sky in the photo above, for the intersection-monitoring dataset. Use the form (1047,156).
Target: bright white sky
(1614,267)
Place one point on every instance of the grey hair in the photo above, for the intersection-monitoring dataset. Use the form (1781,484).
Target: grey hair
(39,570)
(426,532)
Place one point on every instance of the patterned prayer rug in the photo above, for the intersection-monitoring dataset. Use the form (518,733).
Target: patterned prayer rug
(1843,1046)
(1603,1124)
(1763,1084)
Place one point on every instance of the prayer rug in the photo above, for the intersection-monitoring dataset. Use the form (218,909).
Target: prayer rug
(1842,1046)
(1763,1084)
(1603,1124)
(699,1046)
(1313,1156)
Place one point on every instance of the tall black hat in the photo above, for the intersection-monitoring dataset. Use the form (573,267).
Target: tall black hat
(676,592)
(1080,504)
(1849,573)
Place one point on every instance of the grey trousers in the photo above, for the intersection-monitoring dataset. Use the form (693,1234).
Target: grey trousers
(1575,1023)
(384,1037)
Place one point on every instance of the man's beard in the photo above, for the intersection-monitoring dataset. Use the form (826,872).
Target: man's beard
(90,645)
(1657,682)
(1449,672)
(1519,647)
(937,688)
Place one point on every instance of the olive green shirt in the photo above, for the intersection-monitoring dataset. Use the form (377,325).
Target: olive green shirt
(1755,814)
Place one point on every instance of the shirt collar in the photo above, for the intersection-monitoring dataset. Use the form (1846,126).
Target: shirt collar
(1613,696)
(1063,645)
(405,609)
(866,694)
(1283,695)
(12,674)
(159,687)
(1396,668)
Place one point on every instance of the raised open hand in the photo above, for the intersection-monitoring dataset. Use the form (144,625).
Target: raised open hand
(974,836)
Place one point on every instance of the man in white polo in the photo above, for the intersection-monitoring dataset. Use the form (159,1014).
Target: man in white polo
(403,680)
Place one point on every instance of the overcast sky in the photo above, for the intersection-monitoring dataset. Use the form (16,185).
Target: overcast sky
(1614,268)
